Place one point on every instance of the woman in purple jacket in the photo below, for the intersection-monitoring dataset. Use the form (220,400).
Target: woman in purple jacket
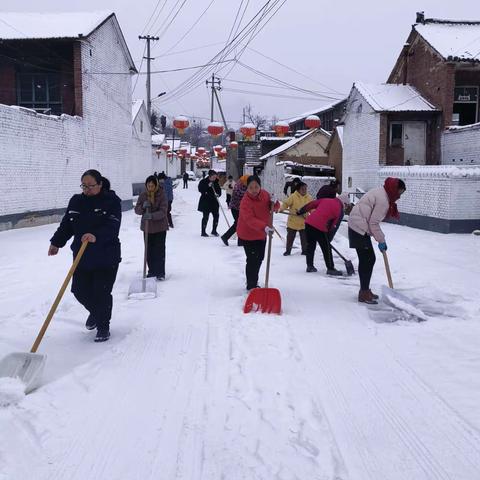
(237,195)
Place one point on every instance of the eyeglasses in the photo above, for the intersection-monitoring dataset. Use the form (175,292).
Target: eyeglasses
(87,187)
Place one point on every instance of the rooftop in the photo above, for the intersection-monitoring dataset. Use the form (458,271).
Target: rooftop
(318,110)
(17,26)
(394,98)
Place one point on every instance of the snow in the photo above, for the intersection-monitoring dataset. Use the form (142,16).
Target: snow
(291,143)
(158,139)
(136,106)
(453,39)
(188,387)
(393,98)
(433,171)
(11,391)
(339,130)
(18,25)
(317,111)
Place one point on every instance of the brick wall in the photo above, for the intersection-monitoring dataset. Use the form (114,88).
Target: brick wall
(42,158)
(361,145)
(461,145)
(440,198)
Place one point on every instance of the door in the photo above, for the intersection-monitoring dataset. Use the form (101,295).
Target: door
(414,143)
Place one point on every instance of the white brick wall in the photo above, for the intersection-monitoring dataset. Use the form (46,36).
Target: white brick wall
(444,192)
(42,158)
(361,144)
(461,145)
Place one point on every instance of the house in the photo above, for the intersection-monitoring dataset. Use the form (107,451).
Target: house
(334,151)
(65,107)
(329,115)
(421,127)
(143,163)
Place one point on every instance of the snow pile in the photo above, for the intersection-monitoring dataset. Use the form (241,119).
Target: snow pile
(12,391)
(432,171)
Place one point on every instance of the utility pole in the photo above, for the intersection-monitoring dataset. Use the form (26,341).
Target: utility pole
(149,39)
(215,84)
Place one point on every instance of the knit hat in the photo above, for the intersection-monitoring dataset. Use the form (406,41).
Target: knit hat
(243,179)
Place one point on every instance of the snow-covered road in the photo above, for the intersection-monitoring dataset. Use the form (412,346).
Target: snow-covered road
(190,388)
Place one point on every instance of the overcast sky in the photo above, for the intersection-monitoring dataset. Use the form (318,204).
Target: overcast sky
(332,42)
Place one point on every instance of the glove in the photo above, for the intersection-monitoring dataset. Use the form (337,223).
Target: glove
(276,206)
(210,184)
(269,230)
(382,247)
(301,211)
(147,204)
(147,216)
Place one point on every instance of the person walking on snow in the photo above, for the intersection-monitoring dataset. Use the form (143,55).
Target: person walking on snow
(167,185)
(228,186)
(321,226)
(296,223)
(364,223)
(254,224)
(185,180)
(93,216)
(210,190)
(237,195)
(152,204)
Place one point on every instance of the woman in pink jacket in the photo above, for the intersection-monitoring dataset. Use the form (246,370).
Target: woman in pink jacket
(321,226)
(364,223)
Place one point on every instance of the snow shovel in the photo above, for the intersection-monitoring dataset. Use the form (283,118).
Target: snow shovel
(28,367)
(348,263)
(145,287)
(267,300)
(221,208)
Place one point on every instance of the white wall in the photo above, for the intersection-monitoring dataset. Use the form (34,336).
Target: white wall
(461,145)
(445,192)
(49,154)
(361,145)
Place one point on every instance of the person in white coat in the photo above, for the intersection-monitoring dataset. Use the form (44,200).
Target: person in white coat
(364,223)
(228,186)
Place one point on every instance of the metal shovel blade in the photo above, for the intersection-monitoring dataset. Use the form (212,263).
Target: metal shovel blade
(27,367)
(266,300)
(143,288)
(349,267)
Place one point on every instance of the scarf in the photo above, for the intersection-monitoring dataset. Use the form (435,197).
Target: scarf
(391,187)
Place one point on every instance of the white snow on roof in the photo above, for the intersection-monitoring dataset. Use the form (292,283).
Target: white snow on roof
(291,143)
(452,39)
(16,25)
(339,130)
(317,111)
(158,139)
(136,106)
(393,98)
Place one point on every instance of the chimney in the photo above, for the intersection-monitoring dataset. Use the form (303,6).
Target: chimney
(420,18)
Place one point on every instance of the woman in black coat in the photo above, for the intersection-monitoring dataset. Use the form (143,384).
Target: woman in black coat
(94,216)
(210,190)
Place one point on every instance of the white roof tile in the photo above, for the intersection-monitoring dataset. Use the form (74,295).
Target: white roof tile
(393,98)
(453,39)
(15,25)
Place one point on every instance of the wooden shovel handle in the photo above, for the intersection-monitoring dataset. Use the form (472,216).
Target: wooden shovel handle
(387,269)
(46,323)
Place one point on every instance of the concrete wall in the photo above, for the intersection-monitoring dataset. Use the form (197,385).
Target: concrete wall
(439,198)
(49,154)
(461,145)
(309,151)
(361,145)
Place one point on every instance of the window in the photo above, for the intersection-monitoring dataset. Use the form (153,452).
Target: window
(465,105)
(141,126)
(396,134)
(40,91)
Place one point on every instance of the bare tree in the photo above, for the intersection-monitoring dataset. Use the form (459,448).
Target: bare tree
(260,121)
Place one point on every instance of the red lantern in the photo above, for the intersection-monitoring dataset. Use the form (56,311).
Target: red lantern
(200,150)
(233,145)
(183,150)
(158,152)
(217,149)
(169,154)
(312,122)
(215,129)
(248,130)
(181,124)
(281,128)
(165,147)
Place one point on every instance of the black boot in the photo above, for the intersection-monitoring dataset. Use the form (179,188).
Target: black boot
(204,228)
(102,335)
(91,323)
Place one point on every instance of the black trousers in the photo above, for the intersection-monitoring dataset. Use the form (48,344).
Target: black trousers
(156,254)
(169,214)
(215,216)
(366,256)
(185,184)
(255,252)
(231,231)
(93,289)
(314,236)
(291,234)
(229,197)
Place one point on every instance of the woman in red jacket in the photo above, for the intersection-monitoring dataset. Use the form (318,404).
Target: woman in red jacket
(321,226)
(253,227)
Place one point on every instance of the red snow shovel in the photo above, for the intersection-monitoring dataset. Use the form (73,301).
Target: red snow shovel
(28,367)
(266,300)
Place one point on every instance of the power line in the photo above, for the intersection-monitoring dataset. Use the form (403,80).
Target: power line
(179,52)
(153,13)
(267,94)
(168,25)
